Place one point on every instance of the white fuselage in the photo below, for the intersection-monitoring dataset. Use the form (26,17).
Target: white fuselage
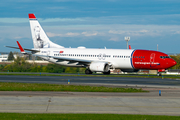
(119,58)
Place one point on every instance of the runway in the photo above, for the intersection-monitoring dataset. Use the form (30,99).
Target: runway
(94,102)
(92,80)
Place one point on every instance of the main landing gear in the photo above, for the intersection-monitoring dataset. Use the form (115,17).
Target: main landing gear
(106,73)
(87,71)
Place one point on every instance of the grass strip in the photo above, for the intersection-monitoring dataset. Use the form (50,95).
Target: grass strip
(4,86)
(43,116)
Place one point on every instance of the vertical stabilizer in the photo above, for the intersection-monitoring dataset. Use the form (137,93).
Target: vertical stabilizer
(40,39)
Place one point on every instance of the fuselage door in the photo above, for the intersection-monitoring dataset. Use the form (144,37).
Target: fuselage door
(152,60)
(48,54)
(152,57)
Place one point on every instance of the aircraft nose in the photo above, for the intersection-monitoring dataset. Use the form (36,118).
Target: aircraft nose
(172,63)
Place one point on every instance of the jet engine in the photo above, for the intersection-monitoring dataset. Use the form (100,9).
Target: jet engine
(99,67)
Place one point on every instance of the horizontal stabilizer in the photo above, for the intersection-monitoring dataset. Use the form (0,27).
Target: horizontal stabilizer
(23,48)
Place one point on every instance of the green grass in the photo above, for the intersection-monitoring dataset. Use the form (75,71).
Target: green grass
(4,86)
(31,116)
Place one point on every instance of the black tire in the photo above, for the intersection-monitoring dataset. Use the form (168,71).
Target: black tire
(159,74)
(106,73)
(87,71)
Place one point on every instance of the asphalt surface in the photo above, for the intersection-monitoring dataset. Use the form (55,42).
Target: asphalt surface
(76,102)
(93,102)
(91,80)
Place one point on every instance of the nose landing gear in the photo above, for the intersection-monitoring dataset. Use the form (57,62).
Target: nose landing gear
(159,74)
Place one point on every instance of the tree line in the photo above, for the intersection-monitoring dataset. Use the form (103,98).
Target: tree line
(177,59)
(20,65)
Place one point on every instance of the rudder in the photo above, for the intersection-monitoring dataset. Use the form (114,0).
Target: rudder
(40,39)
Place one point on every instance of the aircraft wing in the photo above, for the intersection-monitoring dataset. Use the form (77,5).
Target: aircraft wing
(23,48)
(71,60)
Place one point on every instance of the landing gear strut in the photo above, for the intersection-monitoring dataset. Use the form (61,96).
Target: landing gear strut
(87,71)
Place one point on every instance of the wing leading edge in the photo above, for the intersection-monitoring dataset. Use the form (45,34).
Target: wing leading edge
(71,60)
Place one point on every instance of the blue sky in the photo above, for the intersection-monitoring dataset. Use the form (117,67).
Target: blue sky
(94,23)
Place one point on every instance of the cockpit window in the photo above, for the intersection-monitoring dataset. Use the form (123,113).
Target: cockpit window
(163,57)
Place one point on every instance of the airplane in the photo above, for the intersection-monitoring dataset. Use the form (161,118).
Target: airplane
(95,60)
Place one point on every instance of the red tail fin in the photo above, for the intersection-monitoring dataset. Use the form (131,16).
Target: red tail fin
(130,47)
(32,16)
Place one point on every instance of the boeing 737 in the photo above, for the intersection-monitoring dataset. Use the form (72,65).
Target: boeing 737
(95,60)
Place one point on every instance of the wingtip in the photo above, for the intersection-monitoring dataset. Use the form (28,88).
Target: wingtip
(20,47)
(32,16)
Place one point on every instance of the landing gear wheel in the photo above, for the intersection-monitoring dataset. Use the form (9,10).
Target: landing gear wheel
(106,73)
(87,71)
(159,74)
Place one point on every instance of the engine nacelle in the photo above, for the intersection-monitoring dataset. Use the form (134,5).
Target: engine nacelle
(99,67)
(129,70)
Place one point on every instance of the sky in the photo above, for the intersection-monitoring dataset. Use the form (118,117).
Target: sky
(94,23)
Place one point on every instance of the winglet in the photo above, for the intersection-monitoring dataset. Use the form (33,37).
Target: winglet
(20,47)
(130,47)
(32,16)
